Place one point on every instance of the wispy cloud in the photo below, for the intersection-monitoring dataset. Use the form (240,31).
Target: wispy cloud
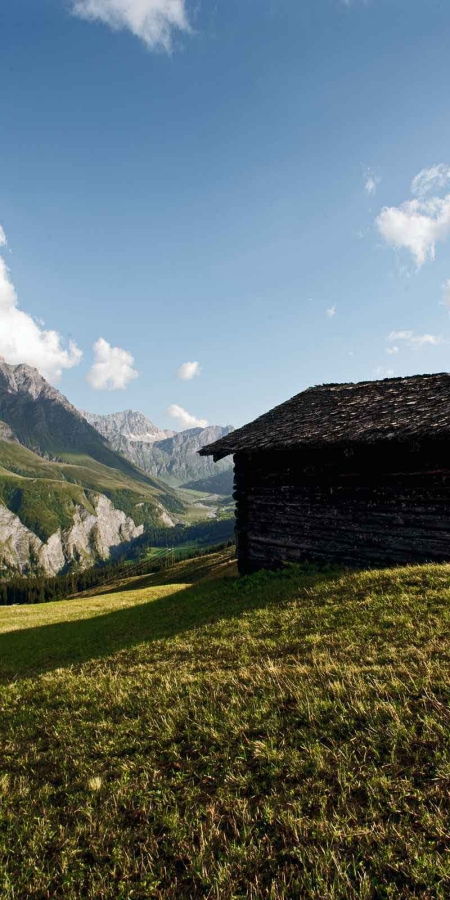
(381,372)
(112,369)
(188,371)
(186,419)
(371,182)
(433,179)
(415,340)
(331,312)
(23,340)
(153,21)
(392,351)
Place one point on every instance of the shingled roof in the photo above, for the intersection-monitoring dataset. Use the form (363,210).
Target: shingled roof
(366,412)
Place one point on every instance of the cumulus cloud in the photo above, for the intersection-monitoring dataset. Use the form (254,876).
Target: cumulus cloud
(392,351)
(415,340)
(433,179)
(23,340)
(186,419)
(112,369)
(416,225)
(153,21)
(188,371)
(331,312)
(371,182)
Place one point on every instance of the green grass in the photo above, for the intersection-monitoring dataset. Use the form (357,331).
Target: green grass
(155,553)
(44,494)
(191,735)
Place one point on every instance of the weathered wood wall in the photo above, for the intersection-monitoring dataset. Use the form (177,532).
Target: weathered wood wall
(389,505)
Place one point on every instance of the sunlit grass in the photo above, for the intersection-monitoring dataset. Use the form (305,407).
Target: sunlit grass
(273,737)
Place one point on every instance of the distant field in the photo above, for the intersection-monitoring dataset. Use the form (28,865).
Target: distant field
(155,553)
(194,735)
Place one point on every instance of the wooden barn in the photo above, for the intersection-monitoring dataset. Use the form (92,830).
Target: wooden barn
(348,473)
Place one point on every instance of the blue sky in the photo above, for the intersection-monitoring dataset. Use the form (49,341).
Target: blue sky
(228,183)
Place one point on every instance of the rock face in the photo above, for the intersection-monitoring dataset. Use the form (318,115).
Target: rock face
(7,434)
(170,456)
(89,539)
(177,459)
(131,425)
(24,379)
(19,547)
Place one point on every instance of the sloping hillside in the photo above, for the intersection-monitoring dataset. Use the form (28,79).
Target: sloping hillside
(54,515)
(221,484)
(66,498)
(42,419)
(192,735)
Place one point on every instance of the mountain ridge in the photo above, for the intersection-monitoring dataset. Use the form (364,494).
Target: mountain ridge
(131,424)
(67,498)
(169,456)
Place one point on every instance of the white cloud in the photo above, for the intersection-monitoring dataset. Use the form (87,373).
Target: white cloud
(432,179)
(188,371)
(392,351)
(185,418)
(23,340)
(371,182)
(381,372)
(153,21)
(331,312)
(416,225)
(112,369)
(415,340)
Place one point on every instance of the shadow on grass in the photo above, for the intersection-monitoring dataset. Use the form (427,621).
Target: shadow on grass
(185,572)
(32,651)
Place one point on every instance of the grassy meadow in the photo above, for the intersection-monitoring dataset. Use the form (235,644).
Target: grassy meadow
(194,735)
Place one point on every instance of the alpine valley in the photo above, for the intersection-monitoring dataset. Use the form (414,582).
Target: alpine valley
(72,494)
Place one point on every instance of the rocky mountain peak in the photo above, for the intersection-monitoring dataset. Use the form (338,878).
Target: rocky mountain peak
(129,424)
(27,380)
(171,456)
(44,420)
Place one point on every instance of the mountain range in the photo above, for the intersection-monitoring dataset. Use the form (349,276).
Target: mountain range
(170,456)
(126,426)
(67,498)
(71,493)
